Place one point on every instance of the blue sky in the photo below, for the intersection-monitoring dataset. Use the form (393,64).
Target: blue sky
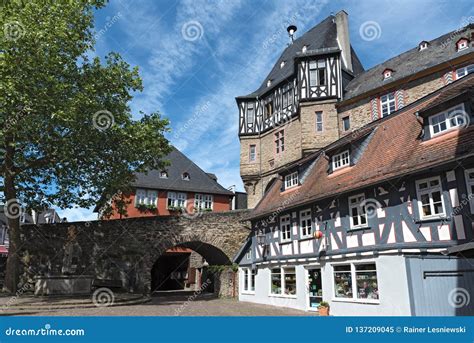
(196,56)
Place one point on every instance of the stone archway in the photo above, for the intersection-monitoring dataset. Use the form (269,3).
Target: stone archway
(123,251)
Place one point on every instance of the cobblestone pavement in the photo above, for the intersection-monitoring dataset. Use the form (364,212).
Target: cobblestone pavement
(176,305)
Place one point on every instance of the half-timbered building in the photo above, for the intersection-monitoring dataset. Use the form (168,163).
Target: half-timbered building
(318,92)
(377,222)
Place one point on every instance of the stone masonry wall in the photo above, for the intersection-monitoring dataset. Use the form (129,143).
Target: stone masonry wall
(125,250)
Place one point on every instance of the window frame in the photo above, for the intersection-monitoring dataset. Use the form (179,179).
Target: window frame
(305,230)
(388,102)
(315,69)
(282,273)
(146,199)
(345,120)
(469,69)
(138,197)
(291,180)
(203,199)
(462,41)
(279,142)
(250,106)
(469,187)
(353,273)
(447,120)
(248,280)
(359,208)
(164,174)
(252,157)
(285,228)
(319,121)
(430,190)
(342,158)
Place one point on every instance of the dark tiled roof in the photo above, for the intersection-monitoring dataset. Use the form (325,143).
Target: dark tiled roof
(440,50)
(394,150)
(199,181)
(320,39)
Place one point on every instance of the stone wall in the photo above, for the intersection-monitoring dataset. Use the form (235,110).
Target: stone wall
(125,249)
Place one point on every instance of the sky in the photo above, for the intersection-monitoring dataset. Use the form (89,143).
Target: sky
(196,56)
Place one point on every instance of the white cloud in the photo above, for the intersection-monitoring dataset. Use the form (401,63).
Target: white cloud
(77,214)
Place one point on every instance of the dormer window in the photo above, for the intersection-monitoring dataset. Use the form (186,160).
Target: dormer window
(387,74)
(462,44)
(341,160)
(304,48)
(448,120)
(423,45)
(282,64)
(269,83)
(163,174)
(186,176)
(291,180)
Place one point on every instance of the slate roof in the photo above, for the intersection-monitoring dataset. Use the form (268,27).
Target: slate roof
(28,219)
(394,150)
(440,50)
(320,39)
(200,181)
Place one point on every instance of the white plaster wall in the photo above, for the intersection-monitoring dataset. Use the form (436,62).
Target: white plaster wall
(392,279)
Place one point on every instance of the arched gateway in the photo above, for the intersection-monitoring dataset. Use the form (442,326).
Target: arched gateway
(123,252)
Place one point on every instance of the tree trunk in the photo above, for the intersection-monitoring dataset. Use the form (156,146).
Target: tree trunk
(13,217)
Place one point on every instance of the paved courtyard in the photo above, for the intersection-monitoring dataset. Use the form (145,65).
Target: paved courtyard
(171,305)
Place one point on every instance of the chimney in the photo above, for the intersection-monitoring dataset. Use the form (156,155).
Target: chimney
(342,26)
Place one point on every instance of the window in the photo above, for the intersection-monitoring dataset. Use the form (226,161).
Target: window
(461,72)
(387,104)
(163,174)
(249,279)
(470,187)
(250,114)
(140,197)
(280,141)
(365,287)
(462,44)
(287,96)
(291,180)
(186,176)
(423,45)
(366,281)
(268,109)
(285,229)
(269,83)
(447,120)
(343,281)
(346,123)
(203,202)
(387,74)
(357,213)
(430,198)
(181,200)
(176,200)
(144,197)
(341,160)
(252,153)
(319,121)
(305,224)
(283,281)
(275,280)
(317,73)
(249,254)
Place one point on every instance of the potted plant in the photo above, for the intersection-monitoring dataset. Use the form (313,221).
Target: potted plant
(323,308)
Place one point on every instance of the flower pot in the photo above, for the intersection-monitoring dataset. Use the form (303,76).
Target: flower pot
(323,311)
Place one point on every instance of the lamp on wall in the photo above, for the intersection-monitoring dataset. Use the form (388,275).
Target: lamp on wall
(261,239)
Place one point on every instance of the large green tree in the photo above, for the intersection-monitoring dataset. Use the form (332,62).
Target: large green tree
(67,134)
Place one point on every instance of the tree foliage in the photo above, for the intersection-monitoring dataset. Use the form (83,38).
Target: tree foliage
(68,135)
